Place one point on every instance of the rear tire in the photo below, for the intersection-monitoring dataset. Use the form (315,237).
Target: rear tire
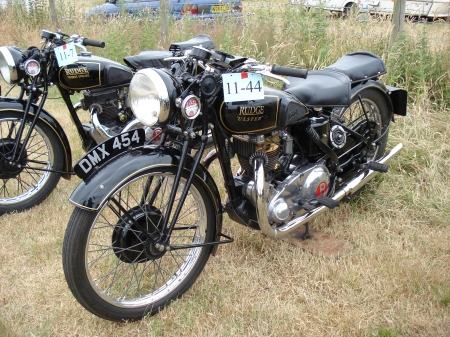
(377,110)
(26,186)
(114,270)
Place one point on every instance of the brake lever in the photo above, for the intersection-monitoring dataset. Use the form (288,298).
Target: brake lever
(269,74)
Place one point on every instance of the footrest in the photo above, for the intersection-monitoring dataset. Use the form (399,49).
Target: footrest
(328,202)
(374,166)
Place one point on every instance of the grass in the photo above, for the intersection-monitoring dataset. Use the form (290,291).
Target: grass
(396,280)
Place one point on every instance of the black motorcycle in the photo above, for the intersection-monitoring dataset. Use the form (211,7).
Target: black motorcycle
(34,149)
(148,216)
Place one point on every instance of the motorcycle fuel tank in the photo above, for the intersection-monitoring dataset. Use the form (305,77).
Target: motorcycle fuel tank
(93,72)
(276,111)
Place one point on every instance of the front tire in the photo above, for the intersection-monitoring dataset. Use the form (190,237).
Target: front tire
(27,182)
(112,268)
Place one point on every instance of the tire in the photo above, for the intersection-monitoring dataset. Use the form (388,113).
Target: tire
(350,9)
(110,268)
(378,112)
(24,187)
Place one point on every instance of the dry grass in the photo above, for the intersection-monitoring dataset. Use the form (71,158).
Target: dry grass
(395,282)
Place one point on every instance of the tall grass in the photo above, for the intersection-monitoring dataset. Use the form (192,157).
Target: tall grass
(394,282)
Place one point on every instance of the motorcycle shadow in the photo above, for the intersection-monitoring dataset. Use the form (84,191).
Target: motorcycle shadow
(320,243)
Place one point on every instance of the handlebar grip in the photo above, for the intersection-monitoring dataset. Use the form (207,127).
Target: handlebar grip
(285,71)
(93,43)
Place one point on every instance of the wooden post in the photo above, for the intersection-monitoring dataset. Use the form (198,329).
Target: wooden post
(398,21)
(53,14)
(164,16)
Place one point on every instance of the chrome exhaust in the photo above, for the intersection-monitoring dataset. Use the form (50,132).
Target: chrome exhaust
(285,231)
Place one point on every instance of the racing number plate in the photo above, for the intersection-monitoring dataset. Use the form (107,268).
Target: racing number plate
(66,54)
(108,149)
(242,87)
(219,9)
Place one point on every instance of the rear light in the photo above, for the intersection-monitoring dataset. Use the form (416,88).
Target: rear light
(237,8)
(189,9)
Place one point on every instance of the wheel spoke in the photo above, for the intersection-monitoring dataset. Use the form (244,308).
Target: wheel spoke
(123,266)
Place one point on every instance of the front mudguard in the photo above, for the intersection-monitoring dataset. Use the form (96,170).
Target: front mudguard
(12,104)
(397,98)
(93,192)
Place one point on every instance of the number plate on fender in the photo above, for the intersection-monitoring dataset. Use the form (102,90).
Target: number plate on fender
(242,87)
(108,149)
(66,54)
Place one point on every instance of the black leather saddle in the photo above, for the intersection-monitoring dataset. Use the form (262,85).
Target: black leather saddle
(331,87)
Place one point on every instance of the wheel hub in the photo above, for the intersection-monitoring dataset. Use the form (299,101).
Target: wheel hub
(130,244)
(11,168)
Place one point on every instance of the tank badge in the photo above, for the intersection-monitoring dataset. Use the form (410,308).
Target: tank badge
(78,72)
(251,114)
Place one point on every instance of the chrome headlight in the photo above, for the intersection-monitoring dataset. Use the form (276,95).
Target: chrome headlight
(10,59)
(149,98)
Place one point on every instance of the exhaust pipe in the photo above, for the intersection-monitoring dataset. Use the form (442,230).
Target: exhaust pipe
(285,231)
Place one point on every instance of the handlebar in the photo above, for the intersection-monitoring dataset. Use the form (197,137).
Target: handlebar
(285,71)
(93,43)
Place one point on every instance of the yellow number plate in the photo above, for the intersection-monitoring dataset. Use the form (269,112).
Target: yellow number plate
(220,8)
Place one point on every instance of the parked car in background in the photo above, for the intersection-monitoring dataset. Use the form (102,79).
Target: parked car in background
(202,9)
(429,9)
(345,7)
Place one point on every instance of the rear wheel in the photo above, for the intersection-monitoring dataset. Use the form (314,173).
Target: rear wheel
(115,270)
(26,181)
(367,115)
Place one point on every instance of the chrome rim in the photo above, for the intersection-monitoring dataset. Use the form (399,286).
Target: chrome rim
(354,115)
(19,186)
(119,266)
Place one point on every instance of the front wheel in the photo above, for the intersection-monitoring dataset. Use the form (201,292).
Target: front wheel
(115,270)
(26,179)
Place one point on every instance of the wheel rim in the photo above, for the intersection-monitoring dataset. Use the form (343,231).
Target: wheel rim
(354,118)
(19,185)
(127,274)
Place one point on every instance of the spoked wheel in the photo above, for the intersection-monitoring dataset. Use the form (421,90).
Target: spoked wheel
(367,115)
(24,179)
(112,261)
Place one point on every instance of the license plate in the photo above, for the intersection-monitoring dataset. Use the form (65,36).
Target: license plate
(66,54)
(108,149)
(220,9)
(242,87)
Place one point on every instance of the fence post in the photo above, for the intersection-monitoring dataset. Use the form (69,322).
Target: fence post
(398,21)
(164,16)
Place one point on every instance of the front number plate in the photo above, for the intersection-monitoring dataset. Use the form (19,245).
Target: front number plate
(66,54)
(242,87)
(108,149)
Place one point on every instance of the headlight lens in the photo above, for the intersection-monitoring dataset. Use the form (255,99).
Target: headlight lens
(149,98)
(10,59)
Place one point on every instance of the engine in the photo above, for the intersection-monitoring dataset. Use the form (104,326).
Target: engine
(289,193)
(109,110)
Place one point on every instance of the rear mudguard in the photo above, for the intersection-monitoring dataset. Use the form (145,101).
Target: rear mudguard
(94,191)
(397,98)
(12,104)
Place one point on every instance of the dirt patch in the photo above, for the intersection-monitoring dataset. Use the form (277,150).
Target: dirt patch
(320,243)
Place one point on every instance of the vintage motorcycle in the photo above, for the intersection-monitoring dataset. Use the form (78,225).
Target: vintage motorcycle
(34,154)
(148,216)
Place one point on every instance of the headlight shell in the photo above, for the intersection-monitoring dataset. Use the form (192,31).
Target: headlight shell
(149,97)
(10,60)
